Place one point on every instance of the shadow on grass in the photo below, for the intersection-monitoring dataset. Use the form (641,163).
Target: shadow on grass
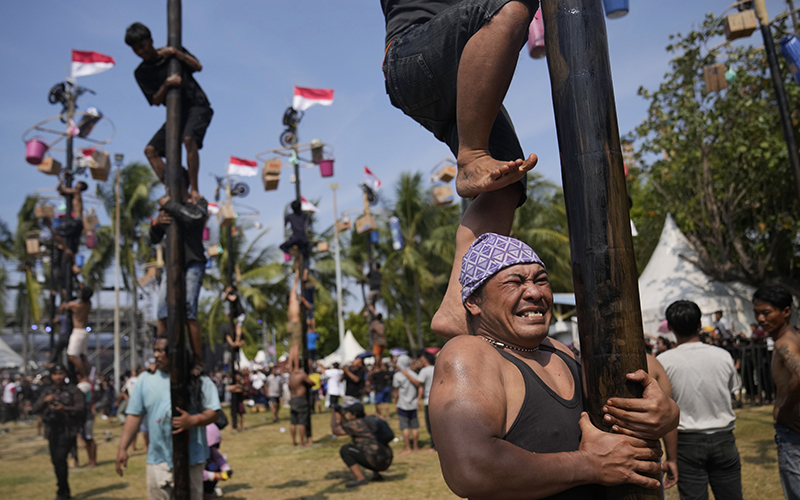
(99,491)
(236,487)
(344,476)
(294,483)
(765,453)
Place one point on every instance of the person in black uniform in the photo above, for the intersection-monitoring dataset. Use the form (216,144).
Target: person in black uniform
(506,404)
(196,112)
(62,409)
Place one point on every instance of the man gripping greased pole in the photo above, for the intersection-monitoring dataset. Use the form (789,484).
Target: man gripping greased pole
(196,112)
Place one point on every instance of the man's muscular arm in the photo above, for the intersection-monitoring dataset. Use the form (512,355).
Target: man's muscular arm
(478,463)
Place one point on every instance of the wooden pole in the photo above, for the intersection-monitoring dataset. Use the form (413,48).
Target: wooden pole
(603,264)
(175,263)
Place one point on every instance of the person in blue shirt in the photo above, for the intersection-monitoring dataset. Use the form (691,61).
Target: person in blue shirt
(151,400)
(312,337)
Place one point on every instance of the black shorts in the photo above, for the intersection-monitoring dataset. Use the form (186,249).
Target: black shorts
(300,413)
(195,121)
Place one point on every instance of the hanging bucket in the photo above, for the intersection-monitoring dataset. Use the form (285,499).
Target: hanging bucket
(326,167)
(790,47)
(615,8)
(536,36)
(35,150)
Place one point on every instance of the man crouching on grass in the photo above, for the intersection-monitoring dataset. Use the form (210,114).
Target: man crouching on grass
(151,399)
(506,405)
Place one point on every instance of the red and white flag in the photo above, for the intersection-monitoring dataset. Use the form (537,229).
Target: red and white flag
(304,98)
(86,62)
(213,209)
(371,180)
(307,206)
(241,167)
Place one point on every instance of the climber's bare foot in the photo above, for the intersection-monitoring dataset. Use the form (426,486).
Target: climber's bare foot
(478,172)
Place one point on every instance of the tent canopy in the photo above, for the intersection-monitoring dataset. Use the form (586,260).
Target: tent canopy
(670,276)
(347,351)
(9,358)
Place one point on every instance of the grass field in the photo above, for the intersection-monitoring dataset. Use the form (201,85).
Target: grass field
(268,467)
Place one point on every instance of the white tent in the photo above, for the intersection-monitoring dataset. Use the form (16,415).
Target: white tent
(244,363)
(347,351)
(669,276)
(9,358)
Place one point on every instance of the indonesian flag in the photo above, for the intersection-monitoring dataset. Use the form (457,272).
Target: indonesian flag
(371,180)
(241,167)
(86,62)
(307,206)
(213,209)
(304,98)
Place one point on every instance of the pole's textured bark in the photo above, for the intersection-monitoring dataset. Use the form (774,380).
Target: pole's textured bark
(175,263)
(603,264)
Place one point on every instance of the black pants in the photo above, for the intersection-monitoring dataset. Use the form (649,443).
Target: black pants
(705,459)
(236,408)
(60,445)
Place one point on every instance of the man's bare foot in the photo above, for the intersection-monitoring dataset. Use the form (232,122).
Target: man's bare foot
(306,445)
(405,451)
(478,172)
(431,450)
(91,465)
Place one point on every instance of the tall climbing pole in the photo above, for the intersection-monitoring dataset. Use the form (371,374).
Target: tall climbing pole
(175,263)
(301,287)
(603,264)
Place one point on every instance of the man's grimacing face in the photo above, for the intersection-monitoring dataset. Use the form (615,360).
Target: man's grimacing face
(770,318)
(517,302)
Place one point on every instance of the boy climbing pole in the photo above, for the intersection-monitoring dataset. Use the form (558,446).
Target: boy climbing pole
(236,311)
(68,233)
(191,214)
(151,75)
(448,65)
(297,221)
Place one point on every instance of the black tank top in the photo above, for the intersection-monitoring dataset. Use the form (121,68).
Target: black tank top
(548,423)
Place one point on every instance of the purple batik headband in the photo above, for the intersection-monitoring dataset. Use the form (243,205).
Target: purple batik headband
(488,255)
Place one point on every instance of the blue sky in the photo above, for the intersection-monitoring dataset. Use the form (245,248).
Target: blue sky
(253,53)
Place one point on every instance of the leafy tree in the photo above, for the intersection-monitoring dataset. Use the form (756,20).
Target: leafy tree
(137,205)
(263,289)
(718,162)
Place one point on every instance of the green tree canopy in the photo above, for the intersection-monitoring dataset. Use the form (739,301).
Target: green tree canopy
(718,162)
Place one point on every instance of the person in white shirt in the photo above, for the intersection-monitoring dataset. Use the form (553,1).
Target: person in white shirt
(257,381)
(335,385)
(723,326)
(702,378)
(274,383)
(424,380)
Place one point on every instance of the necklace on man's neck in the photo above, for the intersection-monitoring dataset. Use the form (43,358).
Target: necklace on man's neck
(509,346)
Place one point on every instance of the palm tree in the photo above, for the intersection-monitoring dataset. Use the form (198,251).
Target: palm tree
(28,306)
(410,272)
(137,205)
(263,288)
(6,253)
